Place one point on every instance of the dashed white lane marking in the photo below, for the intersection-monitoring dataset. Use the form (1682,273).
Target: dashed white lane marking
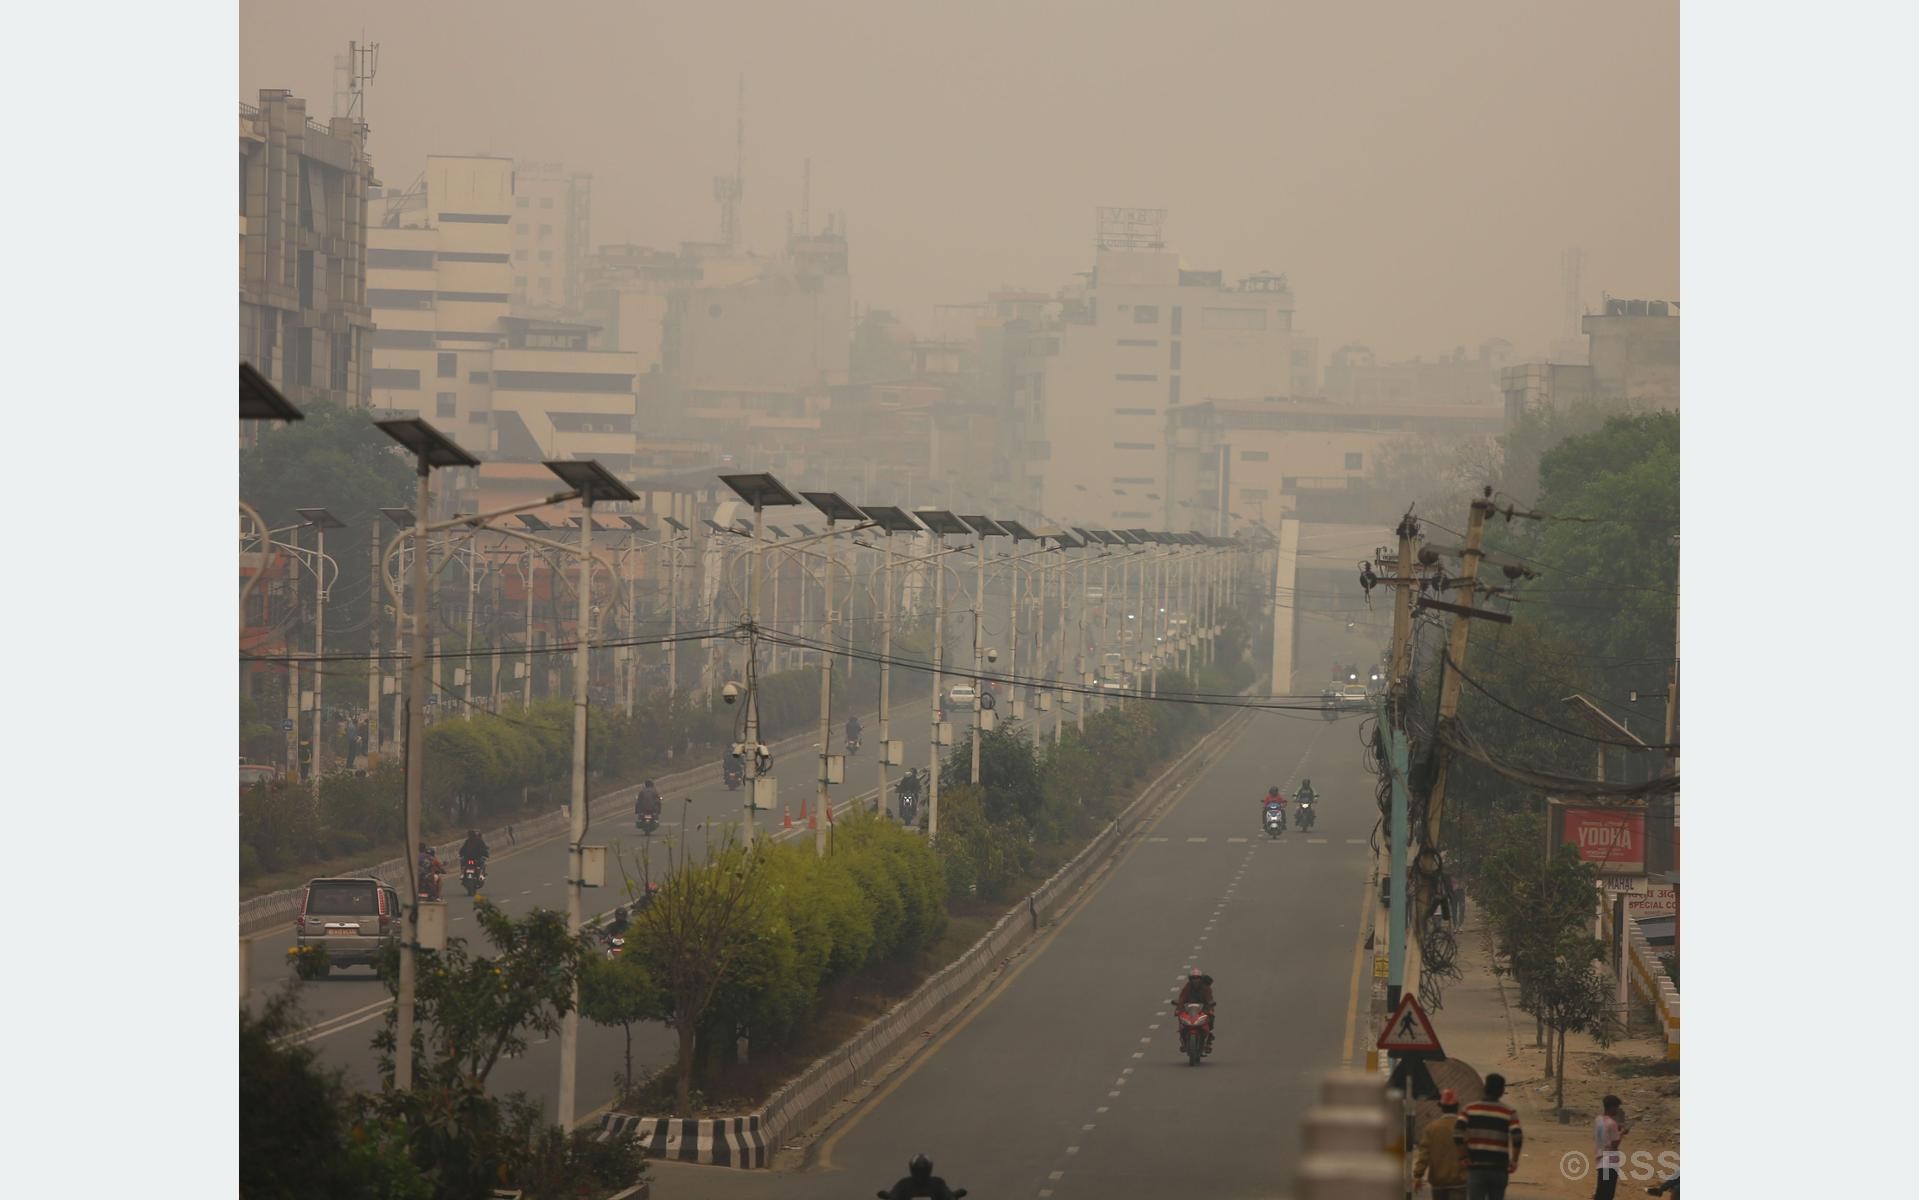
(1127,1071)
(1109,1096)
(1315,841)
(1238,839)
(1055,1176)
(1139,1054)
(1198,839)
(1045,1192)
(1146,1041)
(527,892)
(1085,1127)
(1100,1109)
(1072,1149)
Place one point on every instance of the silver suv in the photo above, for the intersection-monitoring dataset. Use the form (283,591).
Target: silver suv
(353,918)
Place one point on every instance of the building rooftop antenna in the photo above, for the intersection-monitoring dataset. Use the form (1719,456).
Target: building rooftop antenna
(363,63)
(728,191)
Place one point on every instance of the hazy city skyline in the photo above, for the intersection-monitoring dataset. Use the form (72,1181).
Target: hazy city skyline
(1417,177)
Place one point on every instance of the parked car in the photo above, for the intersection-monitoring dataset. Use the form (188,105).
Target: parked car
(252,773)
(960,695)
(352,917)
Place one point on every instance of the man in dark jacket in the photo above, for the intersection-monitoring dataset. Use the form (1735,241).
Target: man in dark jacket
(920,1181)
(1199,990)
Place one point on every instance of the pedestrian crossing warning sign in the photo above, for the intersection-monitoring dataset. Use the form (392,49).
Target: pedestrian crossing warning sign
(1409,1032)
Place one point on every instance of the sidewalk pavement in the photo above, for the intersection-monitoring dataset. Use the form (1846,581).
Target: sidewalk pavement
(1481,1025)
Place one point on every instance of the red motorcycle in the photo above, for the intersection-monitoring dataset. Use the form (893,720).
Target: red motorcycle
(1195,1032)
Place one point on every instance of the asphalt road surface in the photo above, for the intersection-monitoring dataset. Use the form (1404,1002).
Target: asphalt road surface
(1066,1080)
(343,1012)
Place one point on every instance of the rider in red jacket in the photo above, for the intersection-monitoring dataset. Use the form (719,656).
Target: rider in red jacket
(1199,990)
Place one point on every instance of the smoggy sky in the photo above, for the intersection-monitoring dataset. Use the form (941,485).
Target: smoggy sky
(1415,168)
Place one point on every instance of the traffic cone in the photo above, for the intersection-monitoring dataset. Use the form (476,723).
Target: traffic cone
(812,821)
(803,815)
(786,816)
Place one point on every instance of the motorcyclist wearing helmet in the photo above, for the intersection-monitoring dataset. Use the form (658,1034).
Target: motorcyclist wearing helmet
(920,1181)
(1199,990)
(852,729)
(1274,798)
(475,848)
(620,922)
(1306,794)
(647,803)
(430,871)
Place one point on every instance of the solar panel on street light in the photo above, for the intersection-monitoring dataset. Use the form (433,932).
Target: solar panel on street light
(983,526)
(403,517)
(534,523)
(835,506)
(261,401)
(892,519)
(592,481)
(941,522)
(760,491)
(427,443)
(677,527)
(321,517)
(1020,532)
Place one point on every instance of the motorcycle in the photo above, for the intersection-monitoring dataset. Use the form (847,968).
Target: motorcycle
(648,823)
(1306,815)
(612,942)
(1195,1032)
(1274,820)
(957,1193)
(909,800)
(472,875)
(733,774)
(852,746)
(430,882)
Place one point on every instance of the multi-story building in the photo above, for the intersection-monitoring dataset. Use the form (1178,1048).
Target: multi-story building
(304,321)
(1283,456)
(510,382)
(552,236)
(1142,339)
(1632,360)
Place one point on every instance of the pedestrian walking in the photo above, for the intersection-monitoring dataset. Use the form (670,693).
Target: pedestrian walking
(1438,1157)
(1489,1132)
(1608,1128)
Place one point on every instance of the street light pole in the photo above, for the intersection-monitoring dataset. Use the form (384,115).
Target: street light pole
(824,799)
(321,520)
(293,665)
(939,640)
(979,647)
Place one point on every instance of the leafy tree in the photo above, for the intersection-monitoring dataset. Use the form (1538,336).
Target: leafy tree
(620,991)
(1009,771)
(1570,997)
(302,1134)
(689,936)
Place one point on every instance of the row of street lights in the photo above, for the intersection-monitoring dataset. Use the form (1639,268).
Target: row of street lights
(589,483)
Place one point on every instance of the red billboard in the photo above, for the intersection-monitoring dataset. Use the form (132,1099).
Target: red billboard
(1611,839)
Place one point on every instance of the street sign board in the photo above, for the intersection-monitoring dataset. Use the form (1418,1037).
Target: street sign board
(1382,966)
(1408,1031)
(1658,900)
(1633,884)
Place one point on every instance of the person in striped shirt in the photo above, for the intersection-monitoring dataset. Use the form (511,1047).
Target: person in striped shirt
(1489,1133)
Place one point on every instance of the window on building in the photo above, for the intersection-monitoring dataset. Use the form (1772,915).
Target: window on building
(1289,483)
(449,366)
(1172,390)
(1175,365)
(1139,341)
(546,256)
(546,231)
(445,404)
(478,376)
(477,417)
(1136,378)
(1253,456)
(1176,315)
(520,229)
(398,298)
(1135,412)
(462,256)
(342,359)
(1134,446)
(1252,493)
(546,202)
(396,378)
(404,260)
(1352,462)
(403,339)
(1146,314)
(519,202)
(1237,319)
(519,281)
(1132,479)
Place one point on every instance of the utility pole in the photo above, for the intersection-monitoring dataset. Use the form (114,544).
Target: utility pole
(826,689)
(1449,689)
(293,664)
(886,666)
(939,643)
(376,678)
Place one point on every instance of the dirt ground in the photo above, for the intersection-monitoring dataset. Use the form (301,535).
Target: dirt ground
(1483,1029)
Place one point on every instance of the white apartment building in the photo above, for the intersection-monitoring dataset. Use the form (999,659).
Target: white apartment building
(552,236)
(450,344)
(1146,337)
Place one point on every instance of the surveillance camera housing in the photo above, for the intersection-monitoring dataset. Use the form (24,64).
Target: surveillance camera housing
(992,655)
(730,693)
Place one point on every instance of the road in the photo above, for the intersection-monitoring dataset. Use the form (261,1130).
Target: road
(342,1013)
(1066,1081)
